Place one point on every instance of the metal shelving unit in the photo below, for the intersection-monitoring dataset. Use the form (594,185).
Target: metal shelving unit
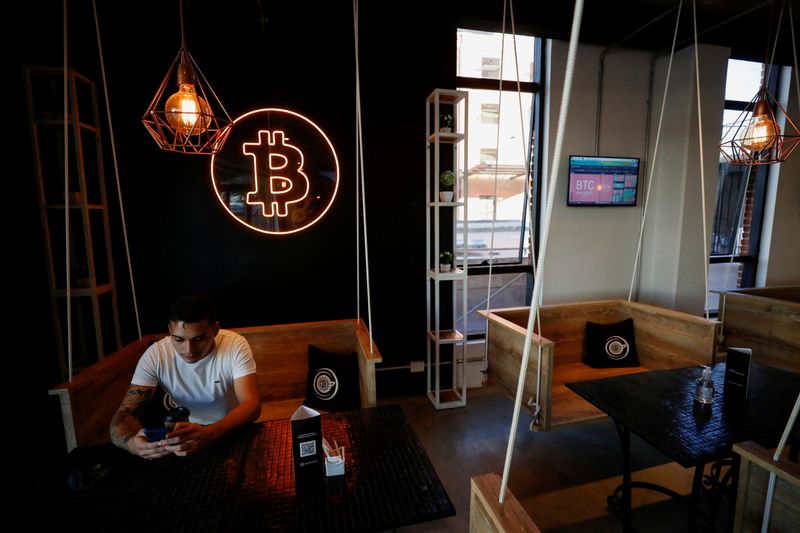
(93,295)
(441,150)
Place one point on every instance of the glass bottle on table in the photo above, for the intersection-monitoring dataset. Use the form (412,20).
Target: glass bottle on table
(704,388)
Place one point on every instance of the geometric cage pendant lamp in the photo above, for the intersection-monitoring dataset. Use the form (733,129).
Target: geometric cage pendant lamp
(187,121)
(755,137)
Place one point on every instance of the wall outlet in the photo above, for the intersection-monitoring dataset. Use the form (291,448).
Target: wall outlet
(418,366)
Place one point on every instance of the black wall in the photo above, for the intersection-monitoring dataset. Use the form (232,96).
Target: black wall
(301,58)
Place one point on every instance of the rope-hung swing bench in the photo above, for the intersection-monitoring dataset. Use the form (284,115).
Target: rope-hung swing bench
(548,341)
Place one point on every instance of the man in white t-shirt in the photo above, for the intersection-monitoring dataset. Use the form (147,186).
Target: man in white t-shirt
(208,370)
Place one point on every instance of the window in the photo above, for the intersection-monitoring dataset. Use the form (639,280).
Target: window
(495,106)
(740,194)
(490,114)
(490,68)
(491,108)
(488,156)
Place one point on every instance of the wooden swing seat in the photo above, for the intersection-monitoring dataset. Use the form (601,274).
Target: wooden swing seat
(90,400)
(664,339)
(766,320)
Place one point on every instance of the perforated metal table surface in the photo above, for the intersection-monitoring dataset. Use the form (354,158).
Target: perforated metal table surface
(246,483)
(659,407)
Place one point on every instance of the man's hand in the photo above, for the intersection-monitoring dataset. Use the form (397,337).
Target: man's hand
(125,429)
(139,445)
(188,438)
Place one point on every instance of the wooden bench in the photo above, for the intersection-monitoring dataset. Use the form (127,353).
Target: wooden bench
(90,400)
(755,467)
(766,320)
(664,339)
(488,515)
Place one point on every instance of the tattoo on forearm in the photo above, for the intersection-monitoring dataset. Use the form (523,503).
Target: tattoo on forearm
(125,424)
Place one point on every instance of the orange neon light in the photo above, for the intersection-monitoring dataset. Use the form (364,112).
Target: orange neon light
(283,163)
(282,184)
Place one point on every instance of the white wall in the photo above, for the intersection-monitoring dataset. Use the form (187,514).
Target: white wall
(674,256)
(591,251)
(780,245)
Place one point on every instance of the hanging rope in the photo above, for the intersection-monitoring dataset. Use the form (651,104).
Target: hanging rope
(68,272)
(358,166)
(768,70)
(116,169)
(360,158)
(776,457)
(537,286)
(526,156)
(702,159)
(496,159)
(794,54)
(649,185)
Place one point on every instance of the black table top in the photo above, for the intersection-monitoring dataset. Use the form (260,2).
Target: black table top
(659,406)
(246,483)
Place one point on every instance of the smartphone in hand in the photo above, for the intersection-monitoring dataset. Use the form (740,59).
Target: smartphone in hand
(156,434)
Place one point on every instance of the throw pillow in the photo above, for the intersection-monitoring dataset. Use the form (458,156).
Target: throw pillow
(610,345)
(332,383)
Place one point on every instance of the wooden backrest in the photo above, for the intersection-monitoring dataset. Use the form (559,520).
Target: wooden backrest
(672,339)
(767,321)
(565,324)
(664,338)
(757,464)
(90,400)
(788,293)
(487,514)
(281,353)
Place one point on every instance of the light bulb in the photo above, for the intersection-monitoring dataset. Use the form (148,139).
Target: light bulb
(187,112)
(761,130)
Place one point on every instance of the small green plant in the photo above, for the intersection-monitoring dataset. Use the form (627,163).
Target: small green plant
(447,179)
(445,120)
(446,258)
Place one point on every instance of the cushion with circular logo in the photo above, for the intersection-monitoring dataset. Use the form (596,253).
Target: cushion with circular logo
(332,383)
(610,345)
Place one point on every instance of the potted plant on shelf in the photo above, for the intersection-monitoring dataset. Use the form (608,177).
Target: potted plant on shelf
(445,123)
(447,179)
(445,261)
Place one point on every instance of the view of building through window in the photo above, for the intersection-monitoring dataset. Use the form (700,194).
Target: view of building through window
(732,243)
(490,156)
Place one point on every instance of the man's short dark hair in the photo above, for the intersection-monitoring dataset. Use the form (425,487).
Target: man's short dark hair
(193,308)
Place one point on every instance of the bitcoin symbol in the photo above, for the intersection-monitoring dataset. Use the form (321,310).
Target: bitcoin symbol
(285,182)
(278,172)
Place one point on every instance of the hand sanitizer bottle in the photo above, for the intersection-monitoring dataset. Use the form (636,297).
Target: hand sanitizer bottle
(704,390)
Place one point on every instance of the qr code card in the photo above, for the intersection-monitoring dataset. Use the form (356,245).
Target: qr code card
(308,448)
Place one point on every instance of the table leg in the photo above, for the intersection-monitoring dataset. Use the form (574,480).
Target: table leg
(694,499)
(734,491)
(624,510)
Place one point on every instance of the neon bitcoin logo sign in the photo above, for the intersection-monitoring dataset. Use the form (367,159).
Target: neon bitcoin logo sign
(278,172)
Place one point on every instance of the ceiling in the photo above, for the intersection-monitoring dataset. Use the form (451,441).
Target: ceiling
(746,26)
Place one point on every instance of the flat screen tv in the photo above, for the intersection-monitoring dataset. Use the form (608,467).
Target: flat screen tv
(602,181)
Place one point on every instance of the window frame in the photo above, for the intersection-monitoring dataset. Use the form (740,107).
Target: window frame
(536,89)
(760,175)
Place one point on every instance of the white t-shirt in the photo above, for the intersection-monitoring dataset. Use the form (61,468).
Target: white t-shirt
(205,387)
